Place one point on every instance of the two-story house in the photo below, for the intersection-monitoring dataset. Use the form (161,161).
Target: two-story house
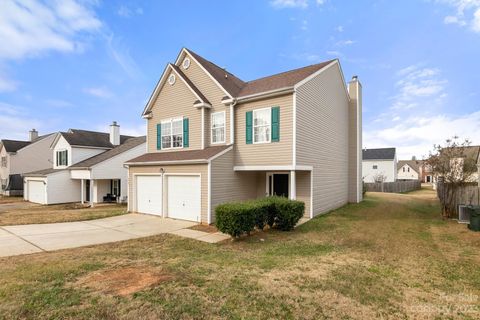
(19,157)
(213,138)
(87,167)
(410,170)
(379,165)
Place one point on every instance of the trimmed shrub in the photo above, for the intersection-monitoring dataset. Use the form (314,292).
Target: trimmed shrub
(237,218)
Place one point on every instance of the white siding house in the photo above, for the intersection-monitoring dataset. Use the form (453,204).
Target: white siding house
(379,164)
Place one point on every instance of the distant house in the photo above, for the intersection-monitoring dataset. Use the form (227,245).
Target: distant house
(87,167)
(18,157)
(410,170)
(379,164)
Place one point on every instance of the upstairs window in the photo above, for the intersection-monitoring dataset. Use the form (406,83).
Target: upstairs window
(403,169)
(375,167)
(172,133)
(4,162)
(218,127)
(262,125)
(62,158)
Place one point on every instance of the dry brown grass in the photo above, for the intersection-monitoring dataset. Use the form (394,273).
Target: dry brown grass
(58,213)
(5,199)
(391,257)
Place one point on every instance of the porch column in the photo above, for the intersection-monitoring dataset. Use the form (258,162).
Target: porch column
(91,192)
(293,186)
(82,191)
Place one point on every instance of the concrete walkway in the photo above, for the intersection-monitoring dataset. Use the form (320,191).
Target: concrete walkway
(24,239)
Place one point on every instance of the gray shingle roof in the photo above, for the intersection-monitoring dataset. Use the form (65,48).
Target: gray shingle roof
(129,144)
(42,173)
(414,164)
(14,145)
(172,156)
(239,88)
(378,154)
(85,138)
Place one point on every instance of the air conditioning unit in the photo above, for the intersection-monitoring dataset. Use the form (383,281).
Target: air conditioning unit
(463,214)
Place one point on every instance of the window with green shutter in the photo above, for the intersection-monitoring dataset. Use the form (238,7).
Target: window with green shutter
(159,136)
(249,126)
(185,133)
(275,124)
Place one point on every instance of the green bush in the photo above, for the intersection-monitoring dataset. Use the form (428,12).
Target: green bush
(237,218)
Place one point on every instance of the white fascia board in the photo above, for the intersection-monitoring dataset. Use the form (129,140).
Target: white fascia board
(272,168)
(313,75)
(185,50)
(156,163)
(155,91)
(266,94)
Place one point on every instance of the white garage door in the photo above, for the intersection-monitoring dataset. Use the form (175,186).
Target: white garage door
(184,197)
(149,194)
(36,191)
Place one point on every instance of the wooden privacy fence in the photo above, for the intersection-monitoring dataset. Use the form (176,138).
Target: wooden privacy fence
(393,187)
(465,195)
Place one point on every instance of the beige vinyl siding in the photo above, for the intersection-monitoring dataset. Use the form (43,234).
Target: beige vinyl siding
(213,94)
(274,153)
(201,169)
(175,101)
(355,142)
(303,189)
(228,185)
(322,137)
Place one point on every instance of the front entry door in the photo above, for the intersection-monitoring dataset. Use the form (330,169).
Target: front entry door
(278,184)
(87,190)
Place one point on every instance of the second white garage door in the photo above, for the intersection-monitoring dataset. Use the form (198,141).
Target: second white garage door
(183,199)
(36,191)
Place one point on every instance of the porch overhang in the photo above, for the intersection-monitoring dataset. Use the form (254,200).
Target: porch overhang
(83,174)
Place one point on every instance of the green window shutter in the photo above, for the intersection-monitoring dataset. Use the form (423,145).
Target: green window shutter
(185,133)
(275,124)
(249,127)
(159,136)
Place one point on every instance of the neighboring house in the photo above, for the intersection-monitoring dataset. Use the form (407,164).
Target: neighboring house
(379,164)
(88,167)
(19,157)
(214,138)
(410,170)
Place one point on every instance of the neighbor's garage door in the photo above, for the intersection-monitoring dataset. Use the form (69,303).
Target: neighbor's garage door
(149,194)
(36,191)
(184,200)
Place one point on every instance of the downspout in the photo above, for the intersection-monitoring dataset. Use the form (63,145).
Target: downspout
(232,121)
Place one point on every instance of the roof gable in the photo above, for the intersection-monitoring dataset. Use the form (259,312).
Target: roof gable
(14,145)
(163,79)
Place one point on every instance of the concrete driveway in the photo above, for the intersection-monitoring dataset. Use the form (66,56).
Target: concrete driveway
(24,239)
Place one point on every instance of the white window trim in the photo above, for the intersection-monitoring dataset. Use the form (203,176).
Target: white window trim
(253,126)
(224,127)
(61,165)
(171,120)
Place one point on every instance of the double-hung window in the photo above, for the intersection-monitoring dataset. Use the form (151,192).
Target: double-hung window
(262,125)
(4,162)
(62,158)
(172,133)
(218,127)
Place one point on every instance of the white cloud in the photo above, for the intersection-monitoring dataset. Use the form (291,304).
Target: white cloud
(416,135)
(99,92)
(13,122)
(121,55)
(280,4)
(467,13)
(304,26)
(31,28)
(334,53)
(339,28)
(126,12)
(320,2)
(7,84)
(344,43)
(58,103)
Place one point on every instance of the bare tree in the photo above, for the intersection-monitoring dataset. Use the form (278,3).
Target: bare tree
(453,168)
(379,177)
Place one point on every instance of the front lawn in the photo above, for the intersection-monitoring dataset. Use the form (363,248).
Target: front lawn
(58,213)
(389,257)
(6,199)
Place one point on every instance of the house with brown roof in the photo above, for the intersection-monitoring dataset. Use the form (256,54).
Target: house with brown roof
(213,138)
(87,166)
(18,157)
(411,170)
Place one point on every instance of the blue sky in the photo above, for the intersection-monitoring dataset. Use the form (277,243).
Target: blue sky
(82,64)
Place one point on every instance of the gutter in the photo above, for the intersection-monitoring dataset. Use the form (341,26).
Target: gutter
(266,94)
